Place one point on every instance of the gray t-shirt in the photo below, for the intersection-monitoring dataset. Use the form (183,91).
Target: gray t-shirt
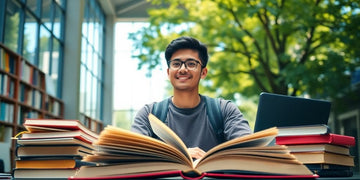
(192,124)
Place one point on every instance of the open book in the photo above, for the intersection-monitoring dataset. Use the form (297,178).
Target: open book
(125,154)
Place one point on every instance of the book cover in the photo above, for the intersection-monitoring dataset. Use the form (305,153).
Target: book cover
(54,141)
(43,173)
(65,124)
(330,138)
(122,153)
(319,147)
(314,129)
(324,158)
(52,150)
(78,134)
(52,163)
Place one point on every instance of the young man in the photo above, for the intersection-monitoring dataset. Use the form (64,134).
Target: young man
(186,114)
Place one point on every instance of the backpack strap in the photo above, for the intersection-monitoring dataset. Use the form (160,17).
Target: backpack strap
(214,114)
(160,109)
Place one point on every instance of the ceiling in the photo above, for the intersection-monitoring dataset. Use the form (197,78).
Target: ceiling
(126,10)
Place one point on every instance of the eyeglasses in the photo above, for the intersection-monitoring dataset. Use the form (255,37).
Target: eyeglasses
(190,64)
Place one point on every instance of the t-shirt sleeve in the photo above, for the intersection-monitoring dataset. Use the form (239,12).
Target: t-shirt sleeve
(141,122)
(235,124)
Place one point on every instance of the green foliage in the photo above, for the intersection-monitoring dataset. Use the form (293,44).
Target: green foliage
(286,47)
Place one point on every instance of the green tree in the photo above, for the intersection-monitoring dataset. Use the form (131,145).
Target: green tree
(288,47)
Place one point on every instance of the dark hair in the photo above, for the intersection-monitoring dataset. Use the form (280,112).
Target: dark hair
(185,42)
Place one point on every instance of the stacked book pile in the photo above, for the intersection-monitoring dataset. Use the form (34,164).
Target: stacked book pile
(323,152)
(52,148)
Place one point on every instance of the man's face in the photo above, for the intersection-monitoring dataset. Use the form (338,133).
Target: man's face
(183,78)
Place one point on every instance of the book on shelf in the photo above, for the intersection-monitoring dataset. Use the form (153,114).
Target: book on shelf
(319,147)
(51,150)
(325,158)
(329,138)
(125,154)
(313,129)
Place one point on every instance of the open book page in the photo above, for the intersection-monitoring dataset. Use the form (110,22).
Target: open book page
(167,135)
(259,139)
(117,142)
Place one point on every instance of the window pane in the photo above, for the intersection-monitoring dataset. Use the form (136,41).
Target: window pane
(88,94)
(96,65)
(57,21)
(46,10)
(98,105)
(96,34)
(94,98)
(82,89)
(85,22)
(30,38)
(61,3)
(33,6)
(83,50)
(12,24)
(55,61)
(44,51)
(89,57)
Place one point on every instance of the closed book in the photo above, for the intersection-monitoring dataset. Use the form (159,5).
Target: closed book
(54,141)
(65,124)
(51,163)
(314,129)
(44,173)
(324,158)
(66,150)
(78,134)
(319,147)
(337,139)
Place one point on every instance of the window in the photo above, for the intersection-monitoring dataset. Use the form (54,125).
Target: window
(92,60)
(33,28)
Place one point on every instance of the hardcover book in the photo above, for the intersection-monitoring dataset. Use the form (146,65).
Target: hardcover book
(313,129)
(78,134)
(35,125)
(325,158)
(319,147)
(52,150)
(330,138)
(125,154)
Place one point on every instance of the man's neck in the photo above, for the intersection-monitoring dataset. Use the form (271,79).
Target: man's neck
(186,100)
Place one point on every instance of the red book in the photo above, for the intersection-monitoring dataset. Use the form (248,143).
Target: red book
(330,138)
(39,125)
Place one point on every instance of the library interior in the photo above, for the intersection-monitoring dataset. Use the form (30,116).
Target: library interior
(57,62)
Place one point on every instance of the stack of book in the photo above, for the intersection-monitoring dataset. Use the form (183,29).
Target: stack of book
(52,148)
(323,152)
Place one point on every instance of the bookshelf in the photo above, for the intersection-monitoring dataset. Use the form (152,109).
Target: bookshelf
(22,95)
(93,124)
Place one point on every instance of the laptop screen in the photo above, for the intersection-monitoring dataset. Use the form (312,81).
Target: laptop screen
(281,110)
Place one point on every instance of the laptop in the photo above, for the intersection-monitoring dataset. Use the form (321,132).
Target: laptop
(281,110)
